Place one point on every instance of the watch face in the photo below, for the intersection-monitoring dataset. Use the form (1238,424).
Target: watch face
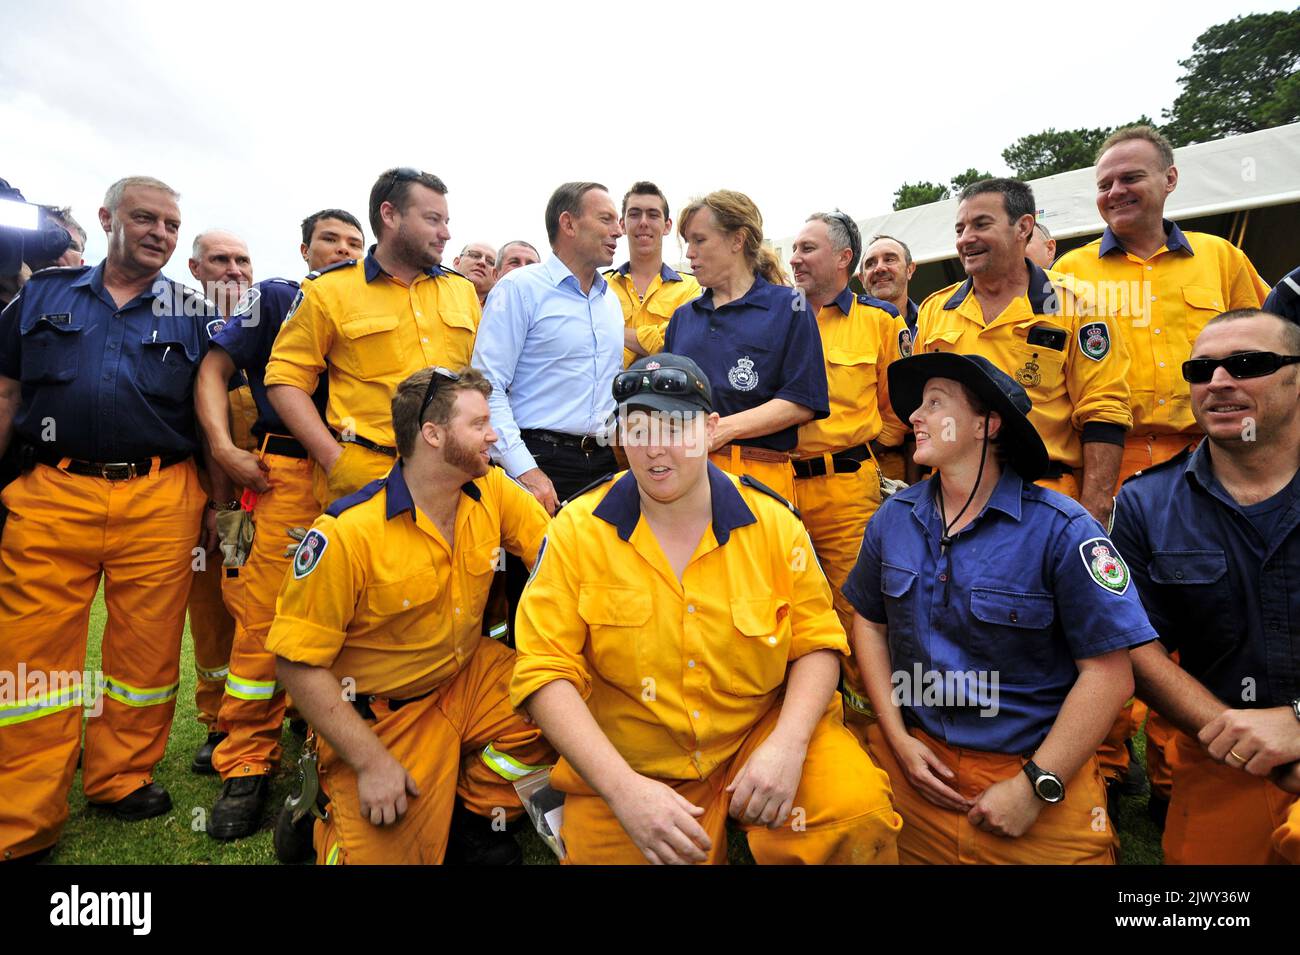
(1050,788)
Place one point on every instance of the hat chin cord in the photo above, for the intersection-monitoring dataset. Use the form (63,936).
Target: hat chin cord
(946,539)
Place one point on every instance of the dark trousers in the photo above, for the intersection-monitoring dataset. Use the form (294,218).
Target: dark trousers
(570,470)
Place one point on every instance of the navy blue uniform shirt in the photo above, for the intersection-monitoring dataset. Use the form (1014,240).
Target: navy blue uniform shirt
(248,336)
(1284,300)
(100,383)
(1028,587)
(1221,584)
(759,347)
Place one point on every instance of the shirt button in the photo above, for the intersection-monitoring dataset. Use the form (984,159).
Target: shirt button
(1015,618)
(458,610)
(424,340)
(1178,574)
(406,603)
(1149,268)
(1155,331)
(1162,364)
(772,640)
(697,755)
(943,577)
(1160,401)
(690,664)
(690,608)
(696,713)
(1153,298)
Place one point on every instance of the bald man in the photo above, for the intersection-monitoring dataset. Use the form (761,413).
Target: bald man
(478,263)
(221,262)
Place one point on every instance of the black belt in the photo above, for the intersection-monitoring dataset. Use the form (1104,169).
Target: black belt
(845,462)
(284,446)
(111,471)
(365,443)
(362,704)
(583,442)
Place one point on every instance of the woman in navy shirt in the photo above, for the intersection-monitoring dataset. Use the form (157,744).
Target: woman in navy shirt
(754,337)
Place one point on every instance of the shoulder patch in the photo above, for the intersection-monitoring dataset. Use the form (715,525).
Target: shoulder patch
(905,342)
(1094,340)
(215,326)
(537,564)
(1104,565)
(293,306)
(603,479)
(330,268)
(758,485)
(309,553)
(247,302)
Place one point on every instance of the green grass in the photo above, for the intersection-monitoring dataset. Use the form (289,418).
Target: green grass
(92,836)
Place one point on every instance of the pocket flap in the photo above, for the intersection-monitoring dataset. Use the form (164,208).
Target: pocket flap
(757,616)
(358,326)
(613,606)
(842,356)
(1010,609)
(1199,297)
(896,581)
(401,595)
(1188,566)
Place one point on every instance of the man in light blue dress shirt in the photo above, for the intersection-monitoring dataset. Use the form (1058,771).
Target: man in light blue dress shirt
(551,342)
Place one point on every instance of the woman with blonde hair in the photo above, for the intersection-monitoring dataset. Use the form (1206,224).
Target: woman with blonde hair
(755,338)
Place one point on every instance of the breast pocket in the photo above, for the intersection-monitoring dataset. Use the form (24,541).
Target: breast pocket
(1199,595)
(1017,633)
(1202,304)
(615,618)
(371,346)
(389,600)
(897,586)
(1039,368)
(760,649)
(460,338)
(51,353)
(166,370)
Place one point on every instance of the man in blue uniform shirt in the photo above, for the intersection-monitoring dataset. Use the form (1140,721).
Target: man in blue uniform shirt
(96,373)
(1213,538)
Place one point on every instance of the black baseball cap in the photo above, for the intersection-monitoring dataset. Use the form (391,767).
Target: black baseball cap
(663,382)
(1019,440)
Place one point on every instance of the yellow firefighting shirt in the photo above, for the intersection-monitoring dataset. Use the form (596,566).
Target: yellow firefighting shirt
(649,315)
(371,332)
(1068,360)
(376,594)
(1159,306)
(861,336)
(676,673)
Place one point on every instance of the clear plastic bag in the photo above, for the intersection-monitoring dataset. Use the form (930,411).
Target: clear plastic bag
(545,806)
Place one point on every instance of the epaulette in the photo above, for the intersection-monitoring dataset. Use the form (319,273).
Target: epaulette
(879,303)
(356,497)
(603,479)
(1179,458)
(758,485)
(279,281)
(209,306)
(57,271)
(450,271)
(317,273)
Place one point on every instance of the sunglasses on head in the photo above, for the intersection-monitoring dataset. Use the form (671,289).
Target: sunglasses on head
(439,375)
(404,174)
(1251,364)
(661,381)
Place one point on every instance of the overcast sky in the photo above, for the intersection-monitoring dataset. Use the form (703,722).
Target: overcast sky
(261,113)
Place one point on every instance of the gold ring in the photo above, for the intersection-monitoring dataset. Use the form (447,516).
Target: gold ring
(1233,752)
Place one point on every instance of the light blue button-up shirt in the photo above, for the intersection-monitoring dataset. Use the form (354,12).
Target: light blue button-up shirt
(551,354)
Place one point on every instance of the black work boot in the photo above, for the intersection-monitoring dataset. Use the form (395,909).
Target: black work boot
(203,756)
(472,840)
(238,810)
(146,802)
(293,840)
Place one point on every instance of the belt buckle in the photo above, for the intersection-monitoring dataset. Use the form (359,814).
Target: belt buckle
(123,471)
(588,444)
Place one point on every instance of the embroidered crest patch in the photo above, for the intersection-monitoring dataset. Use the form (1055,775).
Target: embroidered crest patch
(905,343)
(1029,375)
(215,326)
(308,554)
(1094,340)
(247,302)
(293,306)
(742,375)
(1104,564)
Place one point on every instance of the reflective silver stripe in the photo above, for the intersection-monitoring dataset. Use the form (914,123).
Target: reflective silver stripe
(242,689)
(507,767)
(138,696)
(499,631)
(43,705)
(212,676)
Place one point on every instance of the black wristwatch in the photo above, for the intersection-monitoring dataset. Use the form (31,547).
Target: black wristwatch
(1047,786)
(230,505)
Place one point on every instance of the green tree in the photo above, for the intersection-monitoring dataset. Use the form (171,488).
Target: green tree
(964,179)
(1241,76)
(911,194)
(1053,151)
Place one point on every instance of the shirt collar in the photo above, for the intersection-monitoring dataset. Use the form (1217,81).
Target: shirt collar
(1175,241)
(94,279)
(665,273)
(621,506)
(844,301)
(557,272)
(398,499)
(374,269)
(1006,497)
(706,300)
(912,311)
(1042,295)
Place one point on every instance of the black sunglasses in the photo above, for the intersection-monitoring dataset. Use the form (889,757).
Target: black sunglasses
(439,374)
(662,381)
(404,174)
(851,227)
(1251,364)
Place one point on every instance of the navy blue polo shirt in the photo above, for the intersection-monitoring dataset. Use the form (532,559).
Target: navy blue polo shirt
(100,383)
(248,336)
(1219,580)
(759,347)
(996,624)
